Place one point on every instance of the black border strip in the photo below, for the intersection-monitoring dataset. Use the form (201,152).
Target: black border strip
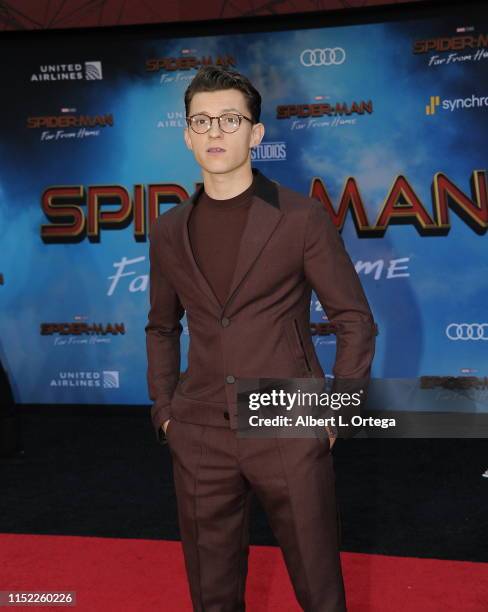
(265,23)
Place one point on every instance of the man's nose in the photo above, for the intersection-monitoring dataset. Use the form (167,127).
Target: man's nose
(214,127)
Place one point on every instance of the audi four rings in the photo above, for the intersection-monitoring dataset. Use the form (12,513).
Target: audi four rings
(467,331)
(323,57)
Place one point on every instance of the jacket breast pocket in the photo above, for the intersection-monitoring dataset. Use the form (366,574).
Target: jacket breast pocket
(297,347)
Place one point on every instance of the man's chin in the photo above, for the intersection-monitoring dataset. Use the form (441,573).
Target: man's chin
(220,166)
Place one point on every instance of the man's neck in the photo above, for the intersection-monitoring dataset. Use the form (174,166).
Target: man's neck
(228,185)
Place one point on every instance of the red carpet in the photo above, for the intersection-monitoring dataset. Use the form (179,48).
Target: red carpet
(141,575)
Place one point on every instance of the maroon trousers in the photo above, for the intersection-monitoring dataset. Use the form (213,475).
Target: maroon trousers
(215,474)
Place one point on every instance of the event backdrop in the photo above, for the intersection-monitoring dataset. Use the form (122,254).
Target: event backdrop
(385,123)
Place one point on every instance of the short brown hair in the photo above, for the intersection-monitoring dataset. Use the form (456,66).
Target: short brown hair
(215,78)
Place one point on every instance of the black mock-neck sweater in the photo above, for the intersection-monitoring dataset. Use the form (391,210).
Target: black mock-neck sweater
(215,229)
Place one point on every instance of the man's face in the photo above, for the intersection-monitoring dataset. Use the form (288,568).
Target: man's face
(234,148)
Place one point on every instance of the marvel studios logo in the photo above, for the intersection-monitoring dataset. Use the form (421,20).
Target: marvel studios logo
(269,151)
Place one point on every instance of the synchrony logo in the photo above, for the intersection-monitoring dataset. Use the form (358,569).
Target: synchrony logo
(455,104)
(432,105)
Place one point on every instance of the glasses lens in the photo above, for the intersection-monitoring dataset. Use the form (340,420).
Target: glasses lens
(200,123)
(229,122)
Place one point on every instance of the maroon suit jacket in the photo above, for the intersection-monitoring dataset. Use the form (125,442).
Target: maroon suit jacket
(289,247)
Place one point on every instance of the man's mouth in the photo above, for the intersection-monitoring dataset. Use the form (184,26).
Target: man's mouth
(215,150)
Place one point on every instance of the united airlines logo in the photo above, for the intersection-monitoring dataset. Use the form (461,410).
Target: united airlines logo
(93,71)
(88,71)
(110,380)
(330,56)
(94,379)
(173,119)
(467,331)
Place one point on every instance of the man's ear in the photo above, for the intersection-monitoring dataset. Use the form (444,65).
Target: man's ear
(187,138)
(257,134)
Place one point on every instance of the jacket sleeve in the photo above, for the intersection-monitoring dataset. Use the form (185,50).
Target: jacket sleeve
(163,332)
(332,275)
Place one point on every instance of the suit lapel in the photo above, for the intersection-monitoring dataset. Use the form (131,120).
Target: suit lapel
(186,255)
(261,223)
(263,217)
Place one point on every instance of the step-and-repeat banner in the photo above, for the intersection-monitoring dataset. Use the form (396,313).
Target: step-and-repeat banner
(385,123)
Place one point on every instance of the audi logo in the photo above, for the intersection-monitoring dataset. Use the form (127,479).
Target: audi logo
(467,331)
(322,57)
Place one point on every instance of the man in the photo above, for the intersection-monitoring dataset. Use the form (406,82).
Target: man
(241,257)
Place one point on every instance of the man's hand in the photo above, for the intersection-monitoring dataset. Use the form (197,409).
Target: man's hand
(165,425)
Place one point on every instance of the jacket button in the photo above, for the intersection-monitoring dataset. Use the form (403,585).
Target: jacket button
(226,415)
(225,322)
(230,379)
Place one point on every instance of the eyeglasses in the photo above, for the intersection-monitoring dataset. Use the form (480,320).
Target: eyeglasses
(228,122)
